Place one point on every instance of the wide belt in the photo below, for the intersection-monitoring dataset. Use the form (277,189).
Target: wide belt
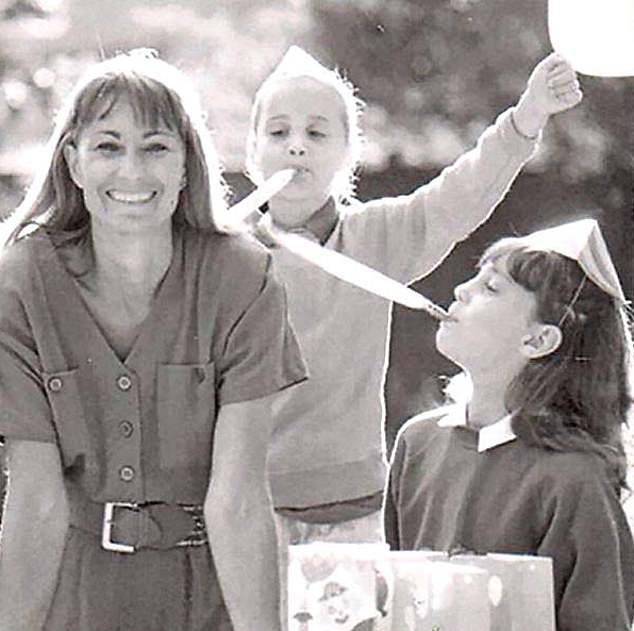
(128,526)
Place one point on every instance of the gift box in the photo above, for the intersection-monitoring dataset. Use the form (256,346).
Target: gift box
(338,586)
(431,594)
(520,590)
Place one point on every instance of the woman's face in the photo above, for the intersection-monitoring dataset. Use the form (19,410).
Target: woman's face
(130,173)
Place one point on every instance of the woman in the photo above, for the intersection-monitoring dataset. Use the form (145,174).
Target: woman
(134,340)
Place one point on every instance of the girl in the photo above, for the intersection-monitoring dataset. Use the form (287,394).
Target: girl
(534,463)
(134,339)
(326,460)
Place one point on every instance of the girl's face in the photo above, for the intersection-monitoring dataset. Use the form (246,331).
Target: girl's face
(130,173)
(493,329)
(301,125)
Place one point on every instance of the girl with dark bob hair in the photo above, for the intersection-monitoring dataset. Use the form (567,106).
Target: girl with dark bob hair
(533,463)
(134,339)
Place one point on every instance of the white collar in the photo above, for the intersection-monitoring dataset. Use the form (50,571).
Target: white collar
(489,436)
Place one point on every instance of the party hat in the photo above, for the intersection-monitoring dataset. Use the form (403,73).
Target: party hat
(296,62)
(583,242)
(597,38)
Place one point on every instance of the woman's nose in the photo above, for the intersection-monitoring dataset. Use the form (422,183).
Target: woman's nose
(296,150)
(131,164)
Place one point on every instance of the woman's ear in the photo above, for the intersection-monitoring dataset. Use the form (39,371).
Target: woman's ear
(70,155)
(546,339)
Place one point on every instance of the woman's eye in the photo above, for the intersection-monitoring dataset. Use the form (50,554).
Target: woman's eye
(157,147)
(277,133)
(315,133)
(491,287)
(107,147)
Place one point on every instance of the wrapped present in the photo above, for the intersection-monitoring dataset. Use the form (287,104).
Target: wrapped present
(431,594)
(338,586)
(520,590)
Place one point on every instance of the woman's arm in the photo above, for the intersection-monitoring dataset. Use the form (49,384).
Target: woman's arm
(34,526)
(239,517)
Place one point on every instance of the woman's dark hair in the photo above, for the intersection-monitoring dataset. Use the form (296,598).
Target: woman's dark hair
(578,397)
(157,93)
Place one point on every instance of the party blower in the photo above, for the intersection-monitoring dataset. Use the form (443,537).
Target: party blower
(331,262)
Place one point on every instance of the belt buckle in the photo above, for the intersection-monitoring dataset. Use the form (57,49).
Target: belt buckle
(106,530)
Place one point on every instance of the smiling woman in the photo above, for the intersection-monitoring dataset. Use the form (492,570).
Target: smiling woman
(134,339)
(129,172)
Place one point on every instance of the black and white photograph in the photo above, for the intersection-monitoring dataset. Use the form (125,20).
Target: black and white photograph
(316,315)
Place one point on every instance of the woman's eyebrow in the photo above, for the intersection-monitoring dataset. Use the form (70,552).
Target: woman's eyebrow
(148,134)
(109,132)
(158,132)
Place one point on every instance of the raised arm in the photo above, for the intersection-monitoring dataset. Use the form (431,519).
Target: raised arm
(34,526)
(415,232)
(239,517)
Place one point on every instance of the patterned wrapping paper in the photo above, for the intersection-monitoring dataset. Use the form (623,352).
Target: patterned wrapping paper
(338,587)
(431,594)
(365,587)
(520,590)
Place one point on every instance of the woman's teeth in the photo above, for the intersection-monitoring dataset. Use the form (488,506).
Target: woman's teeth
(130,198)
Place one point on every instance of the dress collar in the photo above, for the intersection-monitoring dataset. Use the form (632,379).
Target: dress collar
(490,436)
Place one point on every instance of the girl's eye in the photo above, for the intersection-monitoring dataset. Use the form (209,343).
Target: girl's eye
(491,287)
(277,133)
(315,133)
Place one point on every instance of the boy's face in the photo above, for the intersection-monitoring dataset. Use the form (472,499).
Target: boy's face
(301,125)
(492,326)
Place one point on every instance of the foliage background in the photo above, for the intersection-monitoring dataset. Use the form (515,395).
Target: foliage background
(434,73)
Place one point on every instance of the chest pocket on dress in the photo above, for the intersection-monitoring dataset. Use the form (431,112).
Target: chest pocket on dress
(64,395)
(186,414)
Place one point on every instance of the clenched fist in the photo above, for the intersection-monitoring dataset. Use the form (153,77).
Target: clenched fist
(552,87)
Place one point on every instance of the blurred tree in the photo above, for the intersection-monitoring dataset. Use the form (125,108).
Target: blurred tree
(449,65)
(26,29)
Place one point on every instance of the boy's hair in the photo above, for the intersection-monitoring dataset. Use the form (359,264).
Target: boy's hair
(157,93)
(578,397)
(343,186)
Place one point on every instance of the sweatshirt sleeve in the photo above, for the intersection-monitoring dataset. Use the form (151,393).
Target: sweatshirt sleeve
(591,546)
(408,236)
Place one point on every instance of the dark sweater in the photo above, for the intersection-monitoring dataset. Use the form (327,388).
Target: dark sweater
(444,495)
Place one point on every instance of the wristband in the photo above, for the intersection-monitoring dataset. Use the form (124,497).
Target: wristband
(517,129)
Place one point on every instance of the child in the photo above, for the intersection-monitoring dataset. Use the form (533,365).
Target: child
(534,463)
(326,460)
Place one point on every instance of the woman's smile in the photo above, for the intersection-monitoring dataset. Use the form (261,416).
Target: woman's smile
(131,198)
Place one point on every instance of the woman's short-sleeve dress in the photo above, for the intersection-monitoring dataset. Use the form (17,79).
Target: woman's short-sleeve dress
(141,429)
